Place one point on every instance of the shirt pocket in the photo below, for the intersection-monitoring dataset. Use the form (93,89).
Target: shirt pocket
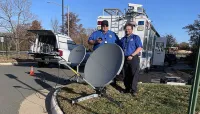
(131,42)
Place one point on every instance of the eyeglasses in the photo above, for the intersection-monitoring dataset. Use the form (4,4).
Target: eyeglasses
(128,29)
(104,26)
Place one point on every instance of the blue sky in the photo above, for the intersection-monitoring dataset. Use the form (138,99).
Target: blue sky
(168,16)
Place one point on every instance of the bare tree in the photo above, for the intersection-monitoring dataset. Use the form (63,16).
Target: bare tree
(194,33)
(74,25)
(28,36)
(171,40)
(89,31)
(54,25)
(15,14)
(184,46)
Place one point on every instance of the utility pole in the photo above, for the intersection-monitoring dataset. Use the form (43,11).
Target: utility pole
(68,20)
(63,24)
(63,16)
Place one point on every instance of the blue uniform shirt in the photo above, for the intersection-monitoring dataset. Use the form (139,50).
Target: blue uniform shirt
(109,37)
(130,44)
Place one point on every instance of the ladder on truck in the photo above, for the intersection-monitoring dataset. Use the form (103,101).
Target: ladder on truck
(116,17)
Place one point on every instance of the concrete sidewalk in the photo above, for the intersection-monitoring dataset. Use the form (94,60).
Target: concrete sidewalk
(16,63)
(34,104)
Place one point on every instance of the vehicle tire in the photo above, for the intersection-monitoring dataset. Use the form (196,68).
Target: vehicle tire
(46,64)
(146,70)
(166,63)
(41,64)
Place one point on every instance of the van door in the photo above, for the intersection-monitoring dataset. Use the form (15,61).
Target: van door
(159,51)
(45,41)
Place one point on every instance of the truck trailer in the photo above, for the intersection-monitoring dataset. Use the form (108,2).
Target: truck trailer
(150,38)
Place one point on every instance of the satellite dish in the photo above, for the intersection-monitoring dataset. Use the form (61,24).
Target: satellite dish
(77,55)
(103,65)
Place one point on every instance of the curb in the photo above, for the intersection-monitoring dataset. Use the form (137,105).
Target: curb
(16,63)
(55,109)
(6,64)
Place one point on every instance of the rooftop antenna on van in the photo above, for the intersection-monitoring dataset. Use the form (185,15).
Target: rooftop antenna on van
(101,68)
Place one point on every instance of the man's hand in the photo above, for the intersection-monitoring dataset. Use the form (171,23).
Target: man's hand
(129,58)
(99,40)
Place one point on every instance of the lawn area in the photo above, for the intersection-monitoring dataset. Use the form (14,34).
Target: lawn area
(152,99)
(22,58)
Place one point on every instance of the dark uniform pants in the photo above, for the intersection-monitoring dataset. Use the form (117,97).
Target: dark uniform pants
(131,68)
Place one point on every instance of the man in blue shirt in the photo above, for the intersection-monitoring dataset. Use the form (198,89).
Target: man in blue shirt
(131,45)
(103,36)
(100,37)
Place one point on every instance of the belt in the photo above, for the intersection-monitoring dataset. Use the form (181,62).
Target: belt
(128,56)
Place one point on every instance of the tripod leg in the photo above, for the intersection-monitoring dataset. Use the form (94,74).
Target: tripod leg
(72,77)
(77,70)
(75,78)
(112,100)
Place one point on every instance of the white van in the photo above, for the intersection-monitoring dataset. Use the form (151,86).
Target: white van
(51,47)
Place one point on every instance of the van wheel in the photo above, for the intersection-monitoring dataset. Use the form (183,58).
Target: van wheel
(41,64)
(166,63)
(146,70)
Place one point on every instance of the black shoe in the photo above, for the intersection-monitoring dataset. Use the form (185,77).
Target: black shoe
(134,94)
(114,84)
(126,91)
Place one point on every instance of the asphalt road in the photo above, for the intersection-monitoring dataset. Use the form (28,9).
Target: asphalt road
(16,84)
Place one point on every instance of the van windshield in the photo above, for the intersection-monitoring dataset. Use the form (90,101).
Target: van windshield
(71,44)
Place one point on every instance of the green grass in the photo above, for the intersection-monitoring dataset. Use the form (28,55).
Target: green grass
(152,99)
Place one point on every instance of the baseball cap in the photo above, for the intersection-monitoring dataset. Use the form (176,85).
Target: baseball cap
(104,22)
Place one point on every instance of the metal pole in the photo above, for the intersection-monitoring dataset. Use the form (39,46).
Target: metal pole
(6,48)
(68,19)
(195,86)
(2,48)
(63,26)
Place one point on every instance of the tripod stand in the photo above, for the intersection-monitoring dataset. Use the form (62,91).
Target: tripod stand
(100,92)
(76,75)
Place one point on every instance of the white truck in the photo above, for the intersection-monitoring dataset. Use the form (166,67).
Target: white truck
(51,47)
(144,29)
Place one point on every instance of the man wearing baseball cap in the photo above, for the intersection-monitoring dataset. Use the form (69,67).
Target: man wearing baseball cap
(103,36)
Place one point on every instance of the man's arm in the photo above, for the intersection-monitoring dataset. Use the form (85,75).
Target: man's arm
(138,45)
(91,40)
(136,51)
